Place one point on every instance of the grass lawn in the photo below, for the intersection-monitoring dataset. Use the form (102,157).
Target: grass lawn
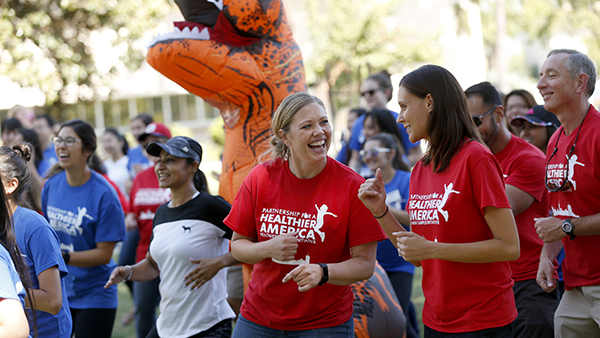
(125,305)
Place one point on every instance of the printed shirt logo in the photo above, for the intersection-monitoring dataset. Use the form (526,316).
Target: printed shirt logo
(424,209)
(276,222)
(67,221)
(557,171)
(564,212)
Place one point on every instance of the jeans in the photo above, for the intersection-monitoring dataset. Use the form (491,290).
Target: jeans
(506,331)
(247,329)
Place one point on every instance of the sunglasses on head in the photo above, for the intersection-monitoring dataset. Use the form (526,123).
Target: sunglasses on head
(478,118)
(370,92)
(373,152)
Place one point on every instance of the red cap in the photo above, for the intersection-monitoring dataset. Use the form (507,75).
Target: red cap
(155,129)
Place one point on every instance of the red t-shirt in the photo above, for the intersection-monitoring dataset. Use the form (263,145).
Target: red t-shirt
(146,196)
(122,198)
(448,207)
(581,266)
(523,168)
(329,220)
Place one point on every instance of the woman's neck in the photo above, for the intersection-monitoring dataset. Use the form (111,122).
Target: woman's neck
(78,176)
(182,195)
(388,174)
(116,157)
(306,171)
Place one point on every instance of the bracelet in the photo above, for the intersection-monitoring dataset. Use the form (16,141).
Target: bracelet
(130,272)
(387,208)
(325,270)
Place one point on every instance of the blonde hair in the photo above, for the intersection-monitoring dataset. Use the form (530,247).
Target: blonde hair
(283,118)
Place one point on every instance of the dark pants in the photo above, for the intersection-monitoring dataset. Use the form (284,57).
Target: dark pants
(127,255)
(506,331)
(146,298)
(402,284)
(220,330)
(536,310)
(93,323)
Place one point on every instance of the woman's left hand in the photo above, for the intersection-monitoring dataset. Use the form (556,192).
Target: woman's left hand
(307,276)
(205,270)
(412,247)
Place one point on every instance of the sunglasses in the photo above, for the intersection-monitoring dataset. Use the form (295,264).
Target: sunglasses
(372,152)
(69,141)
(370,92)
(477,118)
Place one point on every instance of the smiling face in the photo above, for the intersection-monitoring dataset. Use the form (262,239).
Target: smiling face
(414,114)
(309,135)
(112,145)
(556,85)
(72,157)
(173,172)
(381,160)
(370,127)
(378,98)
(536,135)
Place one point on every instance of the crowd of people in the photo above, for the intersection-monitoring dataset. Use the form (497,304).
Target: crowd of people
(491,212)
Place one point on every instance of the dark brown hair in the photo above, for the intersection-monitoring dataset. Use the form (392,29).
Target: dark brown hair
(450,122)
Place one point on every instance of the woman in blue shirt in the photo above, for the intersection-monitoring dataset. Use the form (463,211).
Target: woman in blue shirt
(14,283)
(85,212)
(383,151)
(39,245)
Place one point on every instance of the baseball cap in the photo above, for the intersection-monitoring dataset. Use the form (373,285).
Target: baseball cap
(537,116)
(155,129)
(179,146)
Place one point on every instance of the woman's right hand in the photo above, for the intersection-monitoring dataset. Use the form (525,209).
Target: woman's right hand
(283,247)
(118,275)
(372,194)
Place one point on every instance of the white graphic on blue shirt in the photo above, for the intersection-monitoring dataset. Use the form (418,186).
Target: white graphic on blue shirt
(275,222)
(67,221)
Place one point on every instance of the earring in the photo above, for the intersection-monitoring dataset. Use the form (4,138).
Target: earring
(285,158)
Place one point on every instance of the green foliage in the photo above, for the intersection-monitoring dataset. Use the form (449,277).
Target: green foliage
(539,20)
(49,43)
(353,38)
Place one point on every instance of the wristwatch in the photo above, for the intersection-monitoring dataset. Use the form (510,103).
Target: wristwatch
(567,227)
(325,270)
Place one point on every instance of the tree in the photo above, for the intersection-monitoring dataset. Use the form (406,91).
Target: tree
(537,21)
(353,38)
(50,44)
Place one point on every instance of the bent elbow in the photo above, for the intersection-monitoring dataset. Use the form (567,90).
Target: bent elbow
(55,307)
(514,253)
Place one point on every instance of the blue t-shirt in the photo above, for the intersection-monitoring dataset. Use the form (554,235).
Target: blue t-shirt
(40,247)
(83,216)
(397,196)
(136,156)
(358,138)
(10,283)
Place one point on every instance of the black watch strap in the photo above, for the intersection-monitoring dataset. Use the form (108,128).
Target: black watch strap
(325,270)
(66,256)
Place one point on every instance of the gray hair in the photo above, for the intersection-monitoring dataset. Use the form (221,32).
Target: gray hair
(579,63)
